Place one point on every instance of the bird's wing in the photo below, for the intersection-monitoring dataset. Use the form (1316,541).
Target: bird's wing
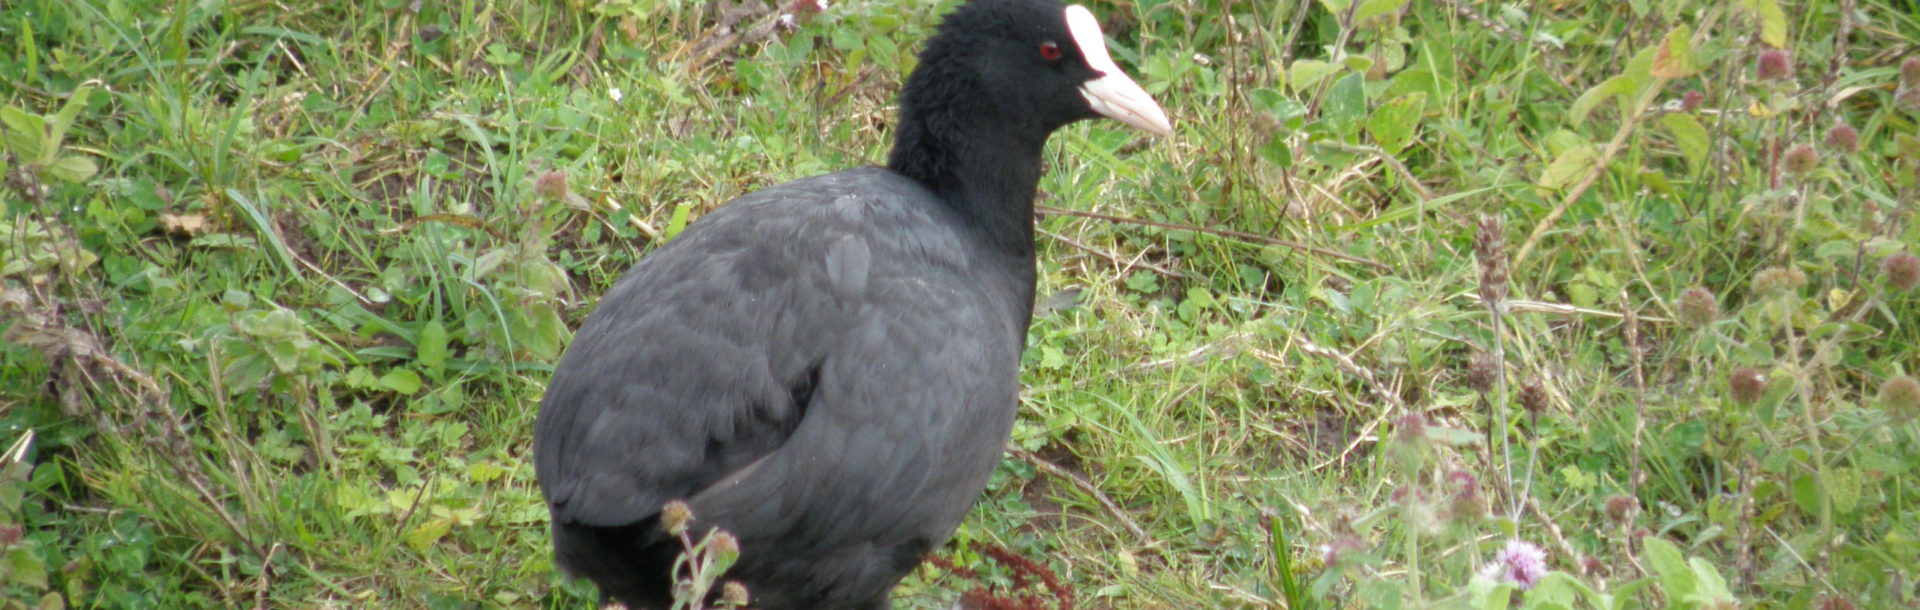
(716,350)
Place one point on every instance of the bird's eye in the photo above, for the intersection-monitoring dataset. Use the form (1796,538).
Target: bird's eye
(1049,51)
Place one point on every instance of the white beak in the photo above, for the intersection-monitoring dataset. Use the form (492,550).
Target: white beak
(1113,95)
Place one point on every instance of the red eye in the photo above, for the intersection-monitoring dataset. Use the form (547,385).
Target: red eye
(1049,51)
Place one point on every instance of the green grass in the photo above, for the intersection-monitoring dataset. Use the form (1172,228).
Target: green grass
(282,287)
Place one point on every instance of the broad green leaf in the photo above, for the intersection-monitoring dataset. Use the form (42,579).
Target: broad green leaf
(1393,123)
(1711,590)
(1844,487)
(1583,105)
(1674,58)
(73,169)
(1676,577)
(68,113)
(401,381)
(1304,75)
(1375,8)
(1773,21)
(1689,136)
(1345,104)
(23,132)
(1569,167)
(431,347)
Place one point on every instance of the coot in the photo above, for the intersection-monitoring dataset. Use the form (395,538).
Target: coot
(827,368)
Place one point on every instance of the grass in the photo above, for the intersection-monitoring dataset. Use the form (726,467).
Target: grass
(283,282)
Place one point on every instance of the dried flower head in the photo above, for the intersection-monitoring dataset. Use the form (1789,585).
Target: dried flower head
(1482,371)
(1902,270)
(1411,427)
(1592,567)
(1746,385)
(1697,307)
(1843,138)
(1908,98)
(1533,396)
(1901,394)
(1620,509)
(1521,563)
(1465,503)
(551,184)
(1773,281)
(1490,247)
(1833,602)
(1774,64)
(1910,72)
(675,517)
(1800,159)
(734,594)
(1692,100)
(724,544)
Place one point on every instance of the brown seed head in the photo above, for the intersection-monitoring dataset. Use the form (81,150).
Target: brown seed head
(1833,602)
(551,184)
(675,517)
(1910,72)
(1746,385)
(1901,394)
(1774,64)
(1692,100)
(1490,247)
(1620,509)
(1482,371)
(1843,138)
(1902,270)
(1411,427)
(1533,396)
(1800,159)
(1697,307)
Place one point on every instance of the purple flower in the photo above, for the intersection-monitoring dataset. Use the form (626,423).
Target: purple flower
(1521,563)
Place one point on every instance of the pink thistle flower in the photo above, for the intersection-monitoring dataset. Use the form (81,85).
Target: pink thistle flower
(1521,563)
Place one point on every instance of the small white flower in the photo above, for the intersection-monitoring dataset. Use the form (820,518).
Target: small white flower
(615,94)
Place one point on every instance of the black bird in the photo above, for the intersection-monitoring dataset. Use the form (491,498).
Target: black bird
(828,368)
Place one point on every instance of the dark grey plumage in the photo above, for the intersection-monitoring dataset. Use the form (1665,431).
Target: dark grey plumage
(828,368)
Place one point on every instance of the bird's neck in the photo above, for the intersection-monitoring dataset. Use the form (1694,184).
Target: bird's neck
(984,173)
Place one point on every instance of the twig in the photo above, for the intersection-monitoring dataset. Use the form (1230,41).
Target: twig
(1084,485)
(1260,239)
(1525,306)
(1111,257)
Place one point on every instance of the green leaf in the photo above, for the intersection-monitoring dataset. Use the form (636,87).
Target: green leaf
(1773,21)
(57,132)
(1345,104)
(1583,105)
(401,381)
(23,132)
(1305,75)
(73,169)
(1676,577)
(1393,123)
(430,349)
(1711,589)
(1689,136)
(1843,485)
(24,567)
(1375,8)
(678,221)
(1674,58)
(1569,167)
